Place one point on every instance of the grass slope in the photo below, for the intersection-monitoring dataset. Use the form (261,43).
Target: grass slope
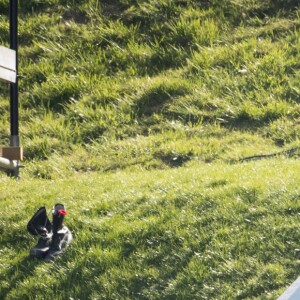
(135,114)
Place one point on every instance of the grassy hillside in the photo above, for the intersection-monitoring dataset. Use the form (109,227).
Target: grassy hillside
(108,84)
(137,115)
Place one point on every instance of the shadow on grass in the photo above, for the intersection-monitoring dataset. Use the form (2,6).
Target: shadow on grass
(17,273)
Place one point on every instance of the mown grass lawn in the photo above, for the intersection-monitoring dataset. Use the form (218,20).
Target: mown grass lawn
(205,231)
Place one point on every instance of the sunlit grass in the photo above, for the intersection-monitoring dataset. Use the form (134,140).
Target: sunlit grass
(137,115)
(180,233)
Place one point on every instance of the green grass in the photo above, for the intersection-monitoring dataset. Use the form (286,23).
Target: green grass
(136,115)
(219,231)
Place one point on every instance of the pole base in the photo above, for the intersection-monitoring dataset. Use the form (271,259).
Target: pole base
(11,153)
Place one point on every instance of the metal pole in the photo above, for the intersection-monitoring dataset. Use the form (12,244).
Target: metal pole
(14,101)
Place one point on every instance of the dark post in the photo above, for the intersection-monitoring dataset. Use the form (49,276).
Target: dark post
(14,102)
